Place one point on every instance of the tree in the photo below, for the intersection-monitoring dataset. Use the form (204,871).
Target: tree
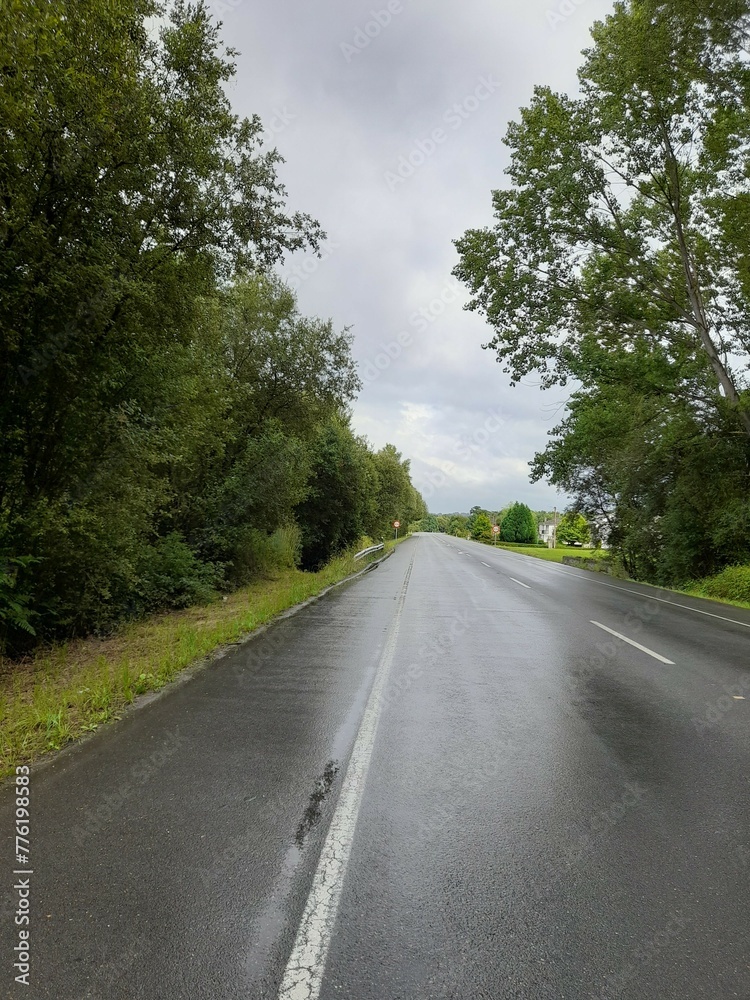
(333,515)
(669,485)
(397,500)
(130,194)
(481,527)
(627,217)
(475,513)
(429,524)
(573,528)
(458,526)
(519,525)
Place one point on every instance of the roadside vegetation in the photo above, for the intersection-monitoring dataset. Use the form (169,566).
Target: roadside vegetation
(65,691)
(732,586)
(617,260)
(172,427)
(557,554)
(578,539)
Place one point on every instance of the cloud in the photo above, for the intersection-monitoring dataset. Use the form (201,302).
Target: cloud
(343,125)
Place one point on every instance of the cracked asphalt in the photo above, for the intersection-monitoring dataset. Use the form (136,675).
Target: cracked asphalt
(554,803)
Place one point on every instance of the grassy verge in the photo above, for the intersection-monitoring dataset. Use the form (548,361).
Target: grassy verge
(731,586)
(66,691)
(553,555)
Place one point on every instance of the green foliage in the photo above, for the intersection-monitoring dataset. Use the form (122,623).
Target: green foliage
(474,514)
(573,528)
(458,526)
(164,406)
(625,221)
(396,498)
(15,613)
(170,575)
(481,527)
(732,584)
(671,485)
(518,525)
(618,258)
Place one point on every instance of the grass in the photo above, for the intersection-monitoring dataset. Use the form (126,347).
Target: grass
(66,691)
(553,555)
(731,586)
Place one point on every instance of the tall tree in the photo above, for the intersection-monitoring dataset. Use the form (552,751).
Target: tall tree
(627,217)
(519,525)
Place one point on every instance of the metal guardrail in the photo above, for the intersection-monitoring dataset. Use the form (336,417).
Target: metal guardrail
(366,552)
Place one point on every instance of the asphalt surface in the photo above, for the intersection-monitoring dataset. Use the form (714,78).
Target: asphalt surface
(536,808)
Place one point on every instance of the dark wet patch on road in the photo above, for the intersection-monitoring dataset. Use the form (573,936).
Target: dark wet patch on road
(322,788)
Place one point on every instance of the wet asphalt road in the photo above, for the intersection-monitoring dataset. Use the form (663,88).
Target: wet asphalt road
(549,811)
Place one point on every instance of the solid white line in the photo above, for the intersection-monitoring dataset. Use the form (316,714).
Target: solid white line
(303,977)
(649,597)
(643,649)
(519,582)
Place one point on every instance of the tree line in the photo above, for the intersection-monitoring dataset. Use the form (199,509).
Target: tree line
(619,262)
(170,423)
(517,522)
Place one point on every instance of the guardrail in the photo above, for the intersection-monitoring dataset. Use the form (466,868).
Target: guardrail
(367,552)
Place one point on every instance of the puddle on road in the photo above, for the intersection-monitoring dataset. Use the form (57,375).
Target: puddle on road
(322,788)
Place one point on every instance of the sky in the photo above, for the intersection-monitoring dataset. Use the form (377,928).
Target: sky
(390,116)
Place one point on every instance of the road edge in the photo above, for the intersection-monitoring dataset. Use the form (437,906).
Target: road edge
(188,672)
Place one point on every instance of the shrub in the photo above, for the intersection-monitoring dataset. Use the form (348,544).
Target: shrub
(519,525)
(732,584)
(257,553)
(170,575)
(15,614)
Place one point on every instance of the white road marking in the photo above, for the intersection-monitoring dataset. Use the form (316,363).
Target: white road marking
(519,582)
(649,597)
(643,649)
(487,565)
(303,977)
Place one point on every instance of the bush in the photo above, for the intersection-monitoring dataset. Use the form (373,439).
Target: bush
(15,614)
(732,584)
(519,525)
(257,553)
(170,575)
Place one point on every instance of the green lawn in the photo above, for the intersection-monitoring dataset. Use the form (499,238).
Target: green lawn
(553,555)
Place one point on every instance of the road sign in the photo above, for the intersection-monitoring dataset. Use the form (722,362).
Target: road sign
(495,529)
(396,524)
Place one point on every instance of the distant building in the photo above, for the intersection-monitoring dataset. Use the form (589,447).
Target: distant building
(546,531)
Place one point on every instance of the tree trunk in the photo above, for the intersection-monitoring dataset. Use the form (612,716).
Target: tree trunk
(696,298)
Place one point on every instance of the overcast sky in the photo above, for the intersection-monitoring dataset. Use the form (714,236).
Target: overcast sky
(390,117)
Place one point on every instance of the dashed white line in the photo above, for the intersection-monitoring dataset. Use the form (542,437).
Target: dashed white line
(519,582)
(632,642)
(303,977)
(487,565)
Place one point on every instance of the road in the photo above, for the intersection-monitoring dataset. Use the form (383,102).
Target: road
(446,779)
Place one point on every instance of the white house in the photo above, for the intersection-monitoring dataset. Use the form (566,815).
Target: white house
(546,531)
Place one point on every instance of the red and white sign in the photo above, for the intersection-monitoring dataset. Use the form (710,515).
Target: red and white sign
(495,529)
(396,524)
